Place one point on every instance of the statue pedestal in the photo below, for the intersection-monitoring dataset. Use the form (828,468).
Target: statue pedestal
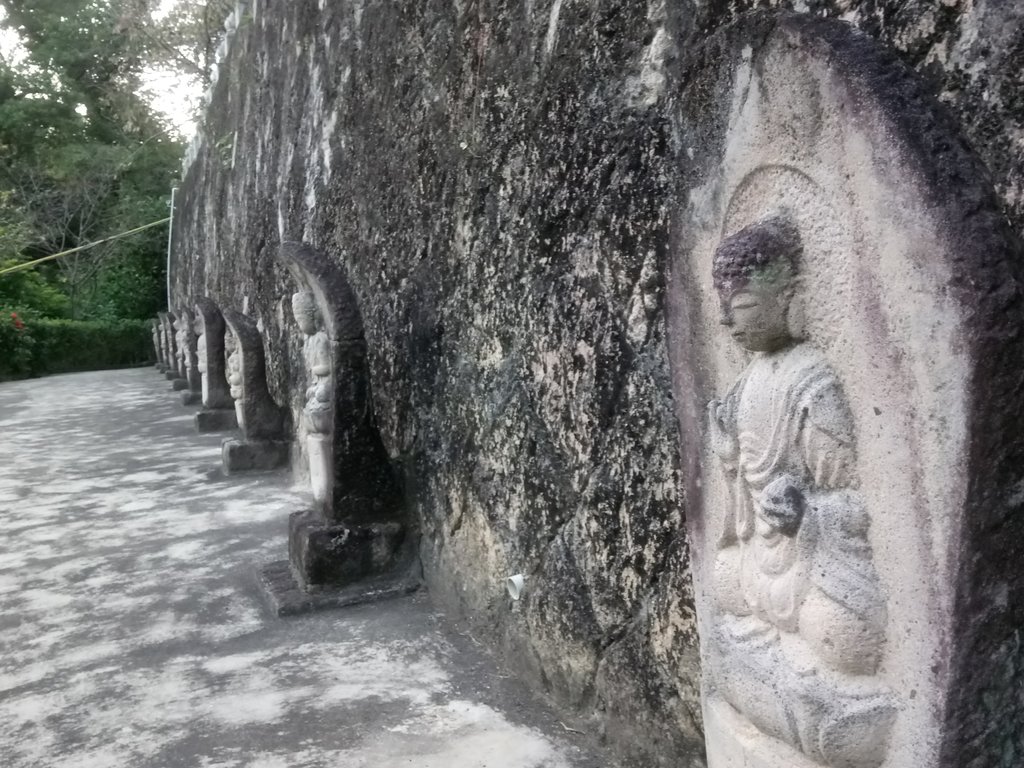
(243,456)
(334,565)
(338,554)
(191,398)
(170,374)
(177,385)
(216,420)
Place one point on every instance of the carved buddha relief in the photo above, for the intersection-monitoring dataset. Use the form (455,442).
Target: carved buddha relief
(181,345)
(318,412)
(233,363)
(800,619)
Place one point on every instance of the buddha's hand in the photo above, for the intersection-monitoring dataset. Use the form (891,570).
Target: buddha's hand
(722,430)
(782,504)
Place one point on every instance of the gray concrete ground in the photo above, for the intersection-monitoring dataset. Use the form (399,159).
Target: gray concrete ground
(132,631)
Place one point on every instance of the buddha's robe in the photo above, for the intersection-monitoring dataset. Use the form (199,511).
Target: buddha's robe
(800,608)
(320,393)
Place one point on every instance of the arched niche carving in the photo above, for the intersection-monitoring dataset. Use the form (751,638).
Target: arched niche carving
(188,343)
(210,327)
(350,470)
(158,347)
(851,437)
(259,417)
(170,347)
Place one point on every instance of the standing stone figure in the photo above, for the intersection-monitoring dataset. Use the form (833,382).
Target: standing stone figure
(233,371)
(180,364)
(801,620)
(157,345)
(218,412)
(355,531)
(190,357)
(167,335)
(319,408)
(261,420)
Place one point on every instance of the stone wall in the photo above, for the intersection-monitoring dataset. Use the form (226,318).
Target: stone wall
(496,179)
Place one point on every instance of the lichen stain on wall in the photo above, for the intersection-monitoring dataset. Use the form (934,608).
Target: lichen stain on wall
(497,179)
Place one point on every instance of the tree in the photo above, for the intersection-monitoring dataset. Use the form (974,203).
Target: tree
(82,155)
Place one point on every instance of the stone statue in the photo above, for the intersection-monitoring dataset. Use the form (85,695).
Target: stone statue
(180,345)
(233,358)
(800,619)
(157,345)
(218,411)
(189,343)
(355,530)
(319,408)
(261,420)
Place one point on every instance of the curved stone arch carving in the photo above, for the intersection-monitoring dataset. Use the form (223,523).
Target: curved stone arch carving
(366,487)
(210,354)
(910,300)
(259,417)
(170,350)
(189,354)
(158,347)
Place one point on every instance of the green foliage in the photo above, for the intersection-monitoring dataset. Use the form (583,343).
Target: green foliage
(43,346)
(83,156)
(29,292)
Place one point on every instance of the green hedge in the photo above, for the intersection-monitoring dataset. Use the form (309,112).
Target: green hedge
(42,346)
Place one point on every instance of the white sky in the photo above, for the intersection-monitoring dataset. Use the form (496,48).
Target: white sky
(170,92)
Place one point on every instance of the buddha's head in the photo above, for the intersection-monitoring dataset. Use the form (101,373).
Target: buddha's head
(755,272)
(307,315)
(233,354)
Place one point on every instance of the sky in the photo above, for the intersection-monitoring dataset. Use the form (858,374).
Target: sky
(171,93)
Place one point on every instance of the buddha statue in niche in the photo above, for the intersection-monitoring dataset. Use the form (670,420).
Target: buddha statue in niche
(316,350)
(233,363)
(181,346)
(799,630)
(319,407)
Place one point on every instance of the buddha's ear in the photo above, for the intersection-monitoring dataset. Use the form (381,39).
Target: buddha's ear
(796,315)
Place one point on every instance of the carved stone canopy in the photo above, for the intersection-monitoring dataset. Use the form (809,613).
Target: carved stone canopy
(851,430)
(190,356)
(365,486)
(170,345)
(158,347)
(261,417)
(210,325)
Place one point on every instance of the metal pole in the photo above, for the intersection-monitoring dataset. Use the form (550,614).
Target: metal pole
(170,244)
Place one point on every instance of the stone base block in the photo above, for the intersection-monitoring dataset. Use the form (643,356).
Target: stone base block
(160,367)
(170,375)
(286,597)
(179,384)
(242,456)
(335,554)
(216,420)
(191,398)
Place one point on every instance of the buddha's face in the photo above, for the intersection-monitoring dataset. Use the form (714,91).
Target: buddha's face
(756,314)
(305,311)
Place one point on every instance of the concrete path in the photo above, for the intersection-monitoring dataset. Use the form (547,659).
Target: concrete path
(132,632)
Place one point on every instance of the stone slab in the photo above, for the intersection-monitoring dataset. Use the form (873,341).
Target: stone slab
(216,420)
(286,597)
(249,456)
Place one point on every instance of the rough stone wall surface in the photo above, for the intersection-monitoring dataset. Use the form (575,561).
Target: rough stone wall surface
(496,180)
